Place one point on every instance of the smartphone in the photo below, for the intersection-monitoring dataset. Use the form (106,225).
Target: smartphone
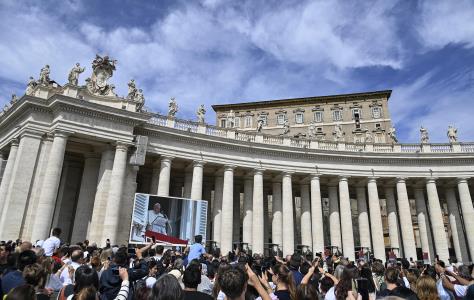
(363,288)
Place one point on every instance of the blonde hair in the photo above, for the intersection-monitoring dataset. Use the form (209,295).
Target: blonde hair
(426,288)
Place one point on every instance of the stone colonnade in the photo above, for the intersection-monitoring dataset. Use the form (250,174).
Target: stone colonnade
(32,176)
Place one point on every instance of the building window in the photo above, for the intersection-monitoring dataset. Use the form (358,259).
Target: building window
(223,122)
(280,119)
(356,114)
(299,118)
(237,122)
(319,129)
(337,115)
(376,112)
(318,116)
(248,121)
(377,125)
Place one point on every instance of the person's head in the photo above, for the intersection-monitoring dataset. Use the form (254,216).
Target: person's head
(23,292)
(192,276)
(307,292)
(85,277)
(366,273)
(198,239)
(121,258)
(26,258)
(35,275)
(463,271)
(88,293)
(391,275)
(338,271)
(56,232)
(426,288)
(77,256)
(152,268)
(281,275)
(233,282)
(167,287)
(345,283)
(295,261)
(26,246)
(325,284)
(157,207)
(95,263)
(159,250)
(378,268)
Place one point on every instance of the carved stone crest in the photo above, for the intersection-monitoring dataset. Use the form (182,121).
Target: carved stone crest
(102,70)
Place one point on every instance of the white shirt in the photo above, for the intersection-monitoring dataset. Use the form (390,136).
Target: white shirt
(330,295)
(52,243)
(150,281)
(65,279)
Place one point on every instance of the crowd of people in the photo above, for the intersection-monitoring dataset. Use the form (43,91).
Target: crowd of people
(52,270)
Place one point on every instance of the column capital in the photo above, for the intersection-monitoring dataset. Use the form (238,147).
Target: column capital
(343,178)
(314,176)
(431,179)
(91,155)
(229,168)
(15,143)
(401,179)
(258,171)
(166,158)
(198,163)
(61,133)
(287,173)
(31,133)
(372,179)
(119,146)
(462,179)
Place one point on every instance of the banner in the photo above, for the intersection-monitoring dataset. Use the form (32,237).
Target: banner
(169,221)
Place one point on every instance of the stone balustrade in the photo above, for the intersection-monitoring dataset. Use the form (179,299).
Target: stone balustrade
(254,137)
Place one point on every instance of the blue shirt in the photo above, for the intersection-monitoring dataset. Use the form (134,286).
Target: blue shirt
(195,251)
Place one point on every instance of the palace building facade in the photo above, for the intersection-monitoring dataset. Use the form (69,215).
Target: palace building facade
(74,156)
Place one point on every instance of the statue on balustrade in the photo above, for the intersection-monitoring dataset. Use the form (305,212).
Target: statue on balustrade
(14,99)
(392,134)
(44,75)
(132,90)
(259,124)
(230,119)
(102,71)
(452,134)
(172,108)
(338,133)
(30,87)
(73,76)
(201,112)
(139,99)
(425,139)
(368,136)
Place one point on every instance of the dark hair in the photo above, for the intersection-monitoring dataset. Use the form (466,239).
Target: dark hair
(391,275)
(167,288)
(233,282)
(87,293)
(295,261)
(76,255)
(285,276)
(198,238)
(160,249)
(344,285)
(57,231)
(121,258)
(192,276)
(307,292)
(326,284)
(367,274)
(27,257)
(85,277)
(35,275)
(378,268)
(22,292)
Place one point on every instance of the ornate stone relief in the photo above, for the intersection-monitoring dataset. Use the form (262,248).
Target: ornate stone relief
(102,71)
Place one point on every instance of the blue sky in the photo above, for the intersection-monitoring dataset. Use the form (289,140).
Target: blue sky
(218,51)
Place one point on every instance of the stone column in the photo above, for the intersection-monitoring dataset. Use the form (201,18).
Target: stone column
(236,216)
(227,210)
(277,220)
(155,177)
(376,227)
(406,225)
(188,182)
(19,186)
(7,174)
(288,238)
(305,216)
(85,202)
(126,208)
(459,243)
(49,191)
(266,218)
(436,217)
(117,179)
(392,220)
(467,212)
(257,212)
(364,227)
(248,213)
(346,219)
(217,209)
(423,224)
(196,186)
(101,195)
(165,174)
(334,221)
(207,195)
(316,216)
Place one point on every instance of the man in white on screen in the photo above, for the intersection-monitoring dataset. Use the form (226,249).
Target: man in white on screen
(157,221)
(52,243)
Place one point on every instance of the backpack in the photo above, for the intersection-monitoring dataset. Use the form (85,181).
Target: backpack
(140,284)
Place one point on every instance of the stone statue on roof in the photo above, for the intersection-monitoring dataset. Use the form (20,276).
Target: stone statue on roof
(230,119)
(102,70)
(132,90)
(286,126)
(73,76)
(201,112)
(172,108)
(425,139)
(368,136)
(259,125)
(312,130)
(338,133)
(392,134)
(30,87)
(140,99)
(44,75)
(452,134)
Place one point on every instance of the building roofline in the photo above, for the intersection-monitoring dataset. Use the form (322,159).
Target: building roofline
(216,107)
